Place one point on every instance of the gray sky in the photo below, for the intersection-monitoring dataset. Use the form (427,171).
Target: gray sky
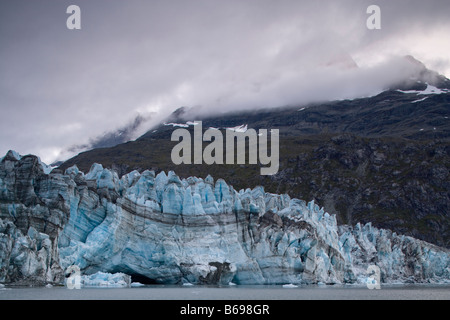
(60,87)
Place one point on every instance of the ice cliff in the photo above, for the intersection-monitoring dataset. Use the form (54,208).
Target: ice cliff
(163,229)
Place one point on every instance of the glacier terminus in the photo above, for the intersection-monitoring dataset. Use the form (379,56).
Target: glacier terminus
(161,229)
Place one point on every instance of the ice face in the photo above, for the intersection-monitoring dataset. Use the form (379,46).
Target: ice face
(104,279)
(172,230)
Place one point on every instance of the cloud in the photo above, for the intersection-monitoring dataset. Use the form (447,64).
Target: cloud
(61,88)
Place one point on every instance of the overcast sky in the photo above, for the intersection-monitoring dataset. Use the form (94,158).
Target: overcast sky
(61,87)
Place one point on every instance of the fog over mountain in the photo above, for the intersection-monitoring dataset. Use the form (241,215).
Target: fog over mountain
(62,88)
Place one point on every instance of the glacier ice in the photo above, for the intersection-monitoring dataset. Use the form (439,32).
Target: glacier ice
(159,228)
(105,279)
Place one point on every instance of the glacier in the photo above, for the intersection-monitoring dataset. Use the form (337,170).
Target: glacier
(158,228)
(103,279)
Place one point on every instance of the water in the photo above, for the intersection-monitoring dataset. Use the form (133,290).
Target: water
(160,292)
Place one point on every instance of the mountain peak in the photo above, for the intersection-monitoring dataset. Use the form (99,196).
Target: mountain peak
(414,61)
(419,76)
(342,61)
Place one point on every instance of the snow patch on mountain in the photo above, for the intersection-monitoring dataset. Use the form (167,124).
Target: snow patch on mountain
(429,90)
(241,128)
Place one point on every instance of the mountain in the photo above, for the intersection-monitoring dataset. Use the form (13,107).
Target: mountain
(421,75)
(158,228)
(382,159)
(110,138)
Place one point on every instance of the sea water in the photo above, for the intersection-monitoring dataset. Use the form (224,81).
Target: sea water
(162,292)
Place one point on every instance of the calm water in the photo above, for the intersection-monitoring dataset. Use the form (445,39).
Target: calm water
(399,292)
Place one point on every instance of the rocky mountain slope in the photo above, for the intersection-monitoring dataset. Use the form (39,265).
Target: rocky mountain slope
(163,229)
